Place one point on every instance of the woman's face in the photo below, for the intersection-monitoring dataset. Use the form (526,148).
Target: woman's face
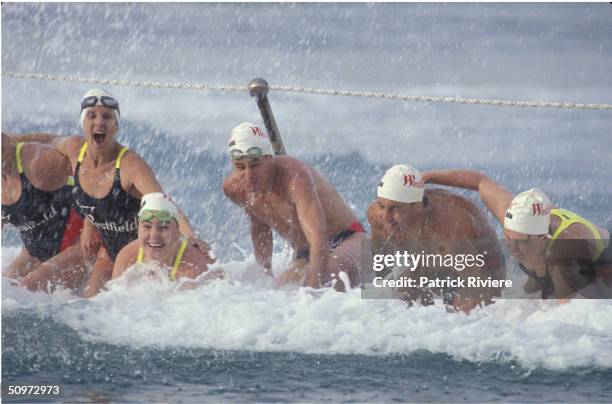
(100,127)
(158,239)
(527,249)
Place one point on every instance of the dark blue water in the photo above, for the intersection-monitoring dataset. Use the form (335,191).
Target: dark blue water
(35,347)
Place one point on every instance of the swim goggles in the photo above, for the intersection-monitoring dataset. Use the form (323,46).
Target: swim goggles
(162,215)
(253,152)
(105,100)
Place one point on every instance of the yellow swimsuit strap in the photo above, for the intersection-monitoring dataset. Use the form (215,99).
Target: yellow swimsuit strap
(567,219)
(117,160)
(140,257)
(177,260)
(82,153)
(18,157)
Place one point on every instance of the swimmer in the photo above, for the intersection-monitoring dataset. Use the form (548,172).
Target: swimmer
(159,241)
(565,254)
(284,194)
(406,216)
(37,200)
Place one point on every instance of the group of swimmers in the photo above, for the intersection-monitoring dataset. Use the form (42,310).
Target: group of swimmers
(87,209)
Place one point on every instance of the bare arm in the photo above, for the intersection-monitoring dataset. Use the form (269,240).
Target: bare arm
(47,168)
(312,221)
(90,241)
(47,138)
(261,235)
(495,197)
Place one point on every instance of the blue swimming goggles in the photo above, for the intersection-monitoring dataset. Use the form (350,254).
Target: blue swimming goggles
(252,153)
(92,101)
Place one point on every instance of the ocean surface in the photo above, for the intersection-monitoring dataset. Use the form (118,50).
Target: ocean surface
(242,340)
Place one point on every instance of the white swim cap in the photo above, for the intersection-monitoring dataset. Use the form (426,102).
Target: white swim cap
(98,96)
(529,213)
(158,202)
(402,183)
(246,136)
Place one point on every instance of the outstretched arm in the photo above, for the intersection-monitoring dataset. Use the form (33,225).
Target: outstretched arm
(495,197)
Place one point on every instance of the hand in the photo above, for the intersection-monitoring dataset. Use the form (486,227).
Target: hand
(203,247)
(312,278)
(90,242)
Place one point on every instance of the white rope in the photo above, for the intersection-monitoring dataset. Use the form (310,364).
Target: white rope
(306,90)
(126,83)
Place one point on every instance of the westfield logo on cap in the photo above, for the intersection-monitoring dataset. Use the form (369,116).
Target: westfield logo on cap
(538,209)
(257,131)
(410,180)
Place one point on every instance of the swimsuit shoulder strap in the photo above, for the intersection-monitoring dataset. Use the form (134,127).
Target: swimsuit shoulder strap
(120,156)
(177,260)
(82,152)
(18,157)
(568,218)
(140,257)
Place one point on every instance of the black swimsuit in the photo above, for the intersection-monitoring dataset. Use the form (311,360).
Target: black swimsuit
(39,216)
(115,215)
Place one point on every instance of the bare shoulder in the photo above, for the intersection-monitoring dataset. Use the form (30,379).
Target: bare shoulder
(463,211)
(70,145)
(294,173)
(137,176)
(292,166)
(133,160)
(130,250)
(442,197)
(126,257)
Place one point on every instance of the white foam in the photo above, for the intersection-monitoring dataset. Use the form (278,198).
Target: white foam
(243,312)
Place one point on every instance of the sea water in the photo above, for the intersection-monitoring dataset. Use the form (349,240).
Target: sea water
(241,338)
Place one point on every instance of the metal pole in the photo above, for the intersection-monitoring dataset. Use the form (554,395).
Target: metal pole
(259,88)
